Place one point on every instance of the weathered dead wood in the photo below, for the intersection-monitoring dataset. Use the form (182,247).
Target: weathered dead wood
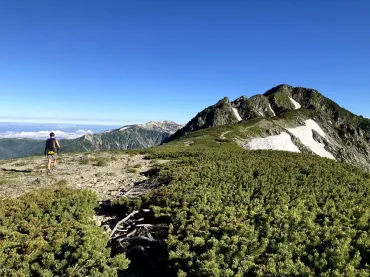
(137,238)
(121,230)
(144,225)
(131,234)
(124,220)
(127,193)
(120,222)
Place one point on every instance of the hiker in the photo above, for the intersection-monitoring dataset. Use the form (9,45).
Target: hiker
(51,149)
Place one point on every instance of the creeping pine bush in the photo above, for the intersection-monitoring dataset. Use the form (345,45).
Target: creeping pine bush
(50,232)
(263,213)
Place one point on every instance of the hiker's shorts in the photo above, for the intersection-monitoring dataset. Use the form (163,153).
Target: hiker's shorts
(52,157)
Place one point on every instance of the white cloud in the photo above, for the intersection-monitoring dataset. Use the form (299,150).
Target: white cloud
(45,134)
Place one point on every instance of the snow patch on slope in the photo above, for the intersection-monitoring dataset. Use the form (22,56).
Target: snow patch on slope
(304,133)
(295,103)
(237,115)
(123,128)
(279,142)
(272,110)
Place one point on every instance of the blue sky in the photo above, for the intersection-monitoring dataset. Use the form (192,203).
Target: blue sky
(123,62)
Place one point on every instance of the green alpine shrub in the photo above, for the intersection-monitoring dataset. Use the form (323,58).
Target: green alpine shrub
(50,232)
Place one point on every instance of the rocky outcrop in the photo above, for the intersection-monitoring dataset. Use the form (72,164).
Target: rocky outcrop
(221,113)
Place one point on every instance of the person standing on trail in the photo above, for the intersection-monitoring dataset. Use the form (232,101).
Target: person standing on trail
(51,149)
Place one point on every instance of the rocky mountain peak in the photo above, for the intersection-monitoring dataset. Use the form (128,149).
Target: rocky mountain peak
(284,109)
(165,126)
(279,88)
(223,101)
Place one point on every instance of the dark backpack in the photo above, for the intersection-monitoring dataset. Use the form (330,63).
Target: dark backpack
(51,145)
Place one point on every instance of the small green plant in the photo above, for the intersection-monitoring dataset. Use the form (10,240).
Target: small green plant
(20,163)
(101,163)
(132,170)
(153,162)
(4,182)
(61,183)
(84,161)
(137,166)
(111,174)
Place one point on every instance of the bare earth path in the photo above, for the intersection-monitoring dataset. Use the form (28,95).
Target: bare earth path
(223,134)
(110,174)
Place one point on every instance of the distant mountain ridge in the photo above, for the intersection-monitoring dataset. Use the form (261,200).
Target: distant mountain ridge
(20,147)
(138,136)
(280,112)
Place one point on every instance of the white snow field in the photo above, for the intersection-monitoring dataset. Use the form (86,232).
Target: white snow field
(237,114)
(272,110)
(284,141)
(295,103)
(278,142)
(124,128)
(304,133)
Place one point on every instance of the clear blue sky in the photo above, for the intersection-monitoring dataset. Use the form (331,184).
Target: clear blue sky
(122,62)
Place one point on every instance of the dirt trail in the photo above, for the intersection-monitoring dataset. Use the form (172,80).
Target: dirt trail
(109,174)
(222,136)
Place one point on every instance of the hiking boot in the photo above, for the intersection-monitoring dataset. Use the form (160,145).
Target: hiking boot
(49,171)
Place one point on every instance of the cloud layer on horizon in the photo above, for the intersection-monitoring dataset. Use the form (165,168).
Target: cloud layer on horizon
(45,134)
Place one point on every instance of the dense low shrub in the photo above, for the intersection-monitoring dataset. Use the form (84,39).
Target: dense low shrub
(263,213)
(50,232)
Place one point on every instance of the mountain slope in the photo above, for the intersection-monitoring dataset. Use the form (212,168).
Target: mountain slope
(291,119)
(128,137)
(219,114)
(16,148)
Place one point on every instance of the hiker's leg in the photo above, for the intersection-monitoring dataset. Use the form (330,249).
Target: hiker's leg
(49,163)
(55,159)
